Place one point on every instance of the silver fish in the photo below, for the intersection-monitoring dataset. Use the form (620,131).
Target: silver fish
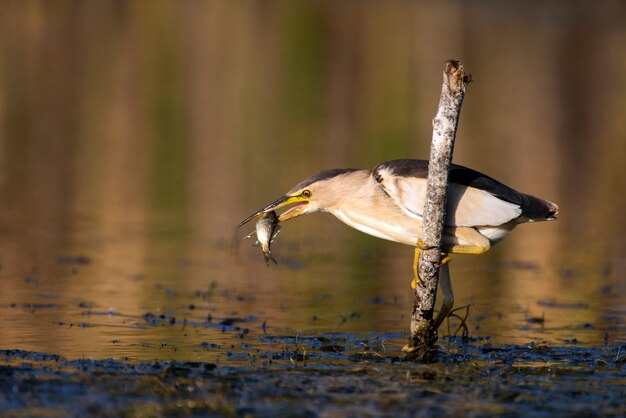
(267,229)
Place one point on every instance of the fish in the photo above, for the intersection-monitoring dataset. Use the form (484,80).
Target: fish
(267,229)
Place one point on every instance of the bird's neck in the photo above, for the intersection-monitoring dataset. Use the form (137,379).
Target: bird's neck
(368,209)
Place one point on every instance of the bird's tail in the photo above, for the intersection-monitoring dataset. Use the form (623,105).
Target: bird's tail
(536,209)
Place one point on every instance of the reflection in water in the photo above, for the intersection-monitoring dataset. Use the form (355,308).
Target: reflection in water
(134,137)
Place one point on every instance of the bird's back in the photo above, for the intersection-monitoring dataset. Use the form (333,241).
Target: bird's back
(532,208)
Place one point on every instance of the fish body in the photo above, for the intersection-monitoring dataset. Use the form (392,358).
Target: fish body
(266,230)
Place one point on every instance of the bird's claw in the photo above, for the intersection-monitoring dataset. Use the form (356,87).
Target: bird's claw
(416,280)
(422,246)
(416,277)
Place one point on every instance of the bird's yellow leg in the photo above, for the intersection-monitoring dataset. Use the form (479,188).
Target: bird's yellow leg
(416,277)
(461,240)
(468,249)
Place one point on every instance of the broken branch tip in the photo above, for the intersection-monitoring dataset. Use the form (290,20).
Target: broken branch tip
(457,78)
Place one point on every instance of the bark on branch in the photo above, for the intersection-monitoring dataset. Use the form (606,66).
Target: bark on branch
(423,334)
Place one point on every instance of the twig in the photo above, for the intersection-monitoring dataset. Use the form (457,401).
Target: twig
(423,334)
(463,325)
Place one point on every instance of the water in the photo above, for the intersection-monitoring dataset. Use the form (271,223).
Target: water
(126,166)
(131,295)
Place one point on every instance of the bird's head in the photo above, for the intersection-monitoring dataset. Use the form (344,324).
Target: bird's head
(317,193)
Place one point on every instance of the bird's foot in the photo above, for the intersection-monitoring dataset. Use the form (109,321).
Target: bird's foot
(416,280)
(422,246)
(416,277)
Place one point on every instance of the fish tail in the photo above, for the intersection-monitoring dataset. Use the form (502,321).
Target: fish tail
(268,256)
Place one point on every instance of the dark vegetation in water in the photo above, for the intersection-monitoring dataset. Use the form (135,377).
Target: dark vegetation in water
(252,368)
(325,376)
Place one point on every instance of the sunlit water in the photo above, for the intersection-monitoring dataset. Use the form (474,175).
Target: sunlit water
(126,164)
(185,298)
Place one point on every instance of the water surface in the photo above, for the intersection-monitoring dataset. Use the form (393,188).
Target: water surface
(134,138)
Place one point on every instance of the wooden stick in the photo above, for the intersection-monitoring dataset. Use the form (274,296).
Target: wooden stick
(423,334)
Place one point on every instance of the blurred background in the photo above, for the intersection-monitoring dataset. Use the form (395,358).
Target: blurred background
(135,136)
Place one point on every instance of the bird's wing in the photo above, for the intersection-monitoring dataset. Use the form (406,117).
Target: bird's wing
(466,206)
(474,199)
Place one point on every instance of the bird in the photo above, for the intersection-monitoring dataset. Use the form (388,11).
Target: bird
(388,203)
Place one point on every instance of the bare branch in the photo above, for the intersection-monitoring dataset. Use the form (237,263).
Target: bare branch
(423,334)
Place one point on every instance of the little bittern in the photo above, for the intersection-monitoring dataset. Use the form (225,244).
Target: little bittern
(387,202)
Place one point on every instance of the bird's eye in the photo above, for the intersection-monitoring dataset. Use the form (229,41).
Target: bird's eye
(306,194)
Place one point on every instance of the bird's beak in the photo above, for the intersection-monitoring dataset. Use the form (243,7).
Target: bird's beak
(300,201)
